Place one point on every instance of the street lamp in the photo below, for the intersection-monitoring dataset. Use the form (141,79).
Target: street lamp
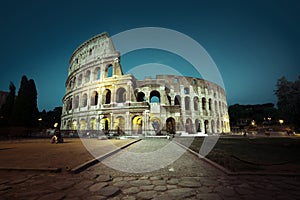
(280,122)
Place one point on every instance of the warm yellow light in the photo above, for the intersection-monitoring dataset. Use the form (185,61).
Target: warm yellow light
(252,122)
(55,125)
(40,119)
(280,121)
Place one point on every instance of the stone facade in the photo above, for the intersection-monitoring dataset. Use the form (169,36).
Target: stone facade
(100,97)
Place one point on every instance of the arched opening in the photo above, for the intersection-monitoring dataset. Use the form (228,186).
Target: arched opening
(74,125)
(154,97)
(137,124)
(196,100)
(218,126)
(120,125)
(107,96)
(169,99)
(87,76)
(212,126)
(189,126)
(76,101)
(216,107)
(156,124)
(186,90)
(79,81)
(141,97)
(84,100)
(171,125)
(97,73)
(104,124)
(109,70)
(187,103)
(82,124)
(177,100)
(206,126)
(93,124)
(197,125)
(69,104)
(209,104)
(94,98)
(121,95)
(203,103)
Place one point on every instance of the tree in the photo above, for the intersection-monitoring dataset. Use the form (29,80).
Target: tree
(7,108)
(288,94)
(25,111)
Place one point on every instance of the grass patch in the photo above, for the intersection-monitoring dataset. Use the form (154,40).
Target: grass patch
(254,154)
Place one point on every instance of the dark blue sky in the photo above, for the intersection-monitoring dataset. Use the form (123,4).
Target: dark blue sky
(253,43)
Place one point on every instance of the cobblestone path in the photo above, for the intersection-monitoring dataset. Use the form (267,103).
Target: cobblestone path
(186,178)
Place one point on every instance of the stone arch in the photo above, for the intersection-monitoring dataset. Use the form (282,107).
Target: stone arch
(121,95)
(76,101)
(196,100)
(105,124)
(109,71)
(97,73)
(209,104)
(186,90)
(177,100)
(171,125)
(206,126)
(216,107)
(187,102)
(189,126)
(154,96)
(82,124)
(94,98)
(203,103)
(93,124)
(74,125)
(120,124)
(84,100)
(107,96)
(197,125)
(137,124)
(79,80)
(87,76)
(141,97)
(213,126)
(156,124)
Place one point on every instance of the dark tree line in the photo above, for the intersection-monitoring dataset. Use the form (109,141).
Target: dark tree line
(20,110)
(288,94)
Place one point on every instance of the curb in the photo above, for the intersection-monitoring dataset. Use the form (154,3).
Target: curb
(94,161)
(53,170)
(230,173)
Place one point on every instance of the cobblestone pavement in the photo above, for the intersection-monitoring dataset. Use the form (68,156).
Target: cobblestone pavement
(187,178)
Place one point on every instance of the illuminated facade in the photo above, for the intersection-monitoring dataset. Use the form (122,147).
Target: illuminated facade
(100,97)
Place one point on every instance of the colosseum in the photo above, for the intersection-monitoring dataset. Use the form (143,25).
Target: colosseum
(100,98)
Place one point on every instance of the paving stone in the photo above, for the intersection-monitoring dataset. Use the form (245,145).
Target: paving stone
(160,188)
(131,190)
(208,196)
(96,187)
(117,179)
(243,191)
(53,196)
(84,184)
(130,178)
(109,191)
(180,192)
(171,187)
(146,195)
(147,187)
(129,198)
(205,189)
(190,183)
(140,182)
(61,185)
(159,182)
(144,178)
(97,197)
(77,192)
(173,181)
(104,178)
(122,184)
(156,178)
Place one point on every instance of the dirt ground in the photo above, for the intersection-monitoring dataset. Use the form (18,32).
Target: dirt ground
(40,153)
